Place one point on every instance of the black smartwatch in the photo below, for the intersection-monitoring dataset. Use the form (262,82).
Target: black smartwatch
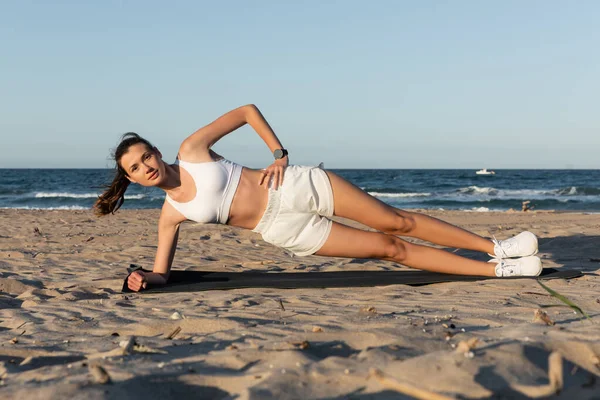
(280,153)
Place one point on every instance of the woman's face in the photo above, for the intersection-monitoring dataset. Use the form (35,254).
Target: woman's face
(143,165)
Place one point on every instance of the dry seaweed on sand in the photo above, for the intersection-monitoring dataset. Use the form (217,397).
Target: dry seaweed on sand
(174,333)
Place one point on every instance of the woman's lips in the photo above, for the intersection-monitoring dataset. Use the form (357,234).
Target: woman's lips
(153,176)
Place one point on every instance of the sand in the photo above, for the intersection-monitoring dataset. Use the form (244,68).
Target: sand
(66,330)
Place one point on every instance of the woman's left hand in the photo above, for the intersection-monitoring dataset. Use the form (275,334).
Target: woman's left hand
(274,171)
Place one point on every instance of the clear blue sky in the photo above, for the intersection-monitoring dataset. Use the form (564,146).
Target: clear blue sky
(366,84)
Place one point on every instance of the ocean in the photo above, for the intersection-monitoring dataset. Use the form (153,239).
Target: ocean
(447,189)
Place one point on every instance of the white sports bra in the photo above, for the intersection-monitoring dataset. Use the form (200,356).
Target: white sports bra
(216,183)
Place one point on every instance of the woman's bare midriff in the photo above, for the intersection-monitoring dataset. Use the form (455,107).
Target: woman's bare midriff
(249,202)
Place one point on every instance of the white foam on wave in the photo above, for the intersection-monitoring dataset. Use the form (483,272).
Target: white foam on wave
(477,190)
(481,209)
(40,195)
(572,191)
(511,193)
(397,195)
(578,191)
(68,195)
(45,208)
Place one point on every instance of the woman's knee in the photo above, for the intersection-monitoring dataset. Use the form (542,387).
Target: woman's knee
(402,224)
(395,248)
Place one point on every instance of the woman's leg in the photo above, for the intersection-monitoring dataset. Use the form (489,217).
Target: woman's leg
(353,203)
(344,241)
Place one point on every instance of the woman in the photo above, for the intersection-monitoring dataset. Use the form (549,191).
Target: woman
(291,207)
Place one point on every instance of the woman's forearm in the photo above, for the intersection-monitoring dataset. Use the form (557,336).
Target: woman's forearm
(255,119)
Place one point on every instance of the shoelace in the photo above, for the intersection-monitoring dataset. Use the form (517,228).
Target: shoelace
(497,243)
(504,266)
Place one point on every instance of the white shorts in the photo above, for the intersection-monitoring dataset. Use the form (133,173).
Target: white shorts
(298,212)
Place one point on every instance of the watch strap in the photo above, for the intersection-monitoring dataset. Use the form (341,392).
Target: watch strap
(284,153)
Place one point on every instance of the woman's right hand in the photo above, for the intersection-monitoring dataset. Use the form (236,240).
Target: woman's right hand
(137,281)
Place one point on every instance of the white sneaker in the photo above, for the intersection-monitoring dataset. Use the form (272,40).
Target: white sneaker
(524,266)
(523,245)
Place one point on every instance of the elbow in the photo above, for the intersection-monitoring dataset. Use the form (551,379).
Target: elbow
(250,110)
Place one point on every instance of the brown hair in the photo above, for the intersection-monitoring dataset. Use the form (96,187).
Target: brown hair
(114,195)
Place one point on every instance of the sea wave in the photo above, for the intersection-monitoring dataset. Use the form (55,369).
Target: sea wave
(45,208)
(68,195)
(399,195)
(525,193)
(578,191)
(477,190)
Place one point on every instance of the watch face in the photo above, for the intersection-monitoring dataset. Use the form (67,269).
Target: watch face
(278,154)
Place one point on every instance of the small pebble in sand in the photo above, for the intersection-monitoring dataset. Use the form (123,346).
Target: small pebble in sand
(176,315)
(161,365)
(317,329)
(541,316)
(302,345)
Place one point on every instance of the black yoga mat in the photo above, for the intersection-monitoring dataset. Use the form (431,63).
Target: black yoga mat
(194,281)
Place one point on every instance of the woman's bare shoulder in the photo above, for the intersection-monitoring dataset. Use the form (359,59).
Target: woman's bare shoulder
(169,216)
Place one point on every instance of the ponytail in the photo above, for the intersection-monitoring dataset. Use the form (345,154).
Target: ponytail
(113,197)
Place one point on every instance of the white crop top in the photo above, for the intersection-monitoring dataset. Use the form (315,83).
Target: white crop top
(216,183)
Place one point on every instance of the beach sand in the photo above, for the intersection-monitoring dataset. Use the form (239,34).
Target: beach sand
(65,326)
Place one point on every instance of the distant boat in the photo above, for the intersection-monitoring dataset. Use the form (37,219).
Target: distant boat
(485,172)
